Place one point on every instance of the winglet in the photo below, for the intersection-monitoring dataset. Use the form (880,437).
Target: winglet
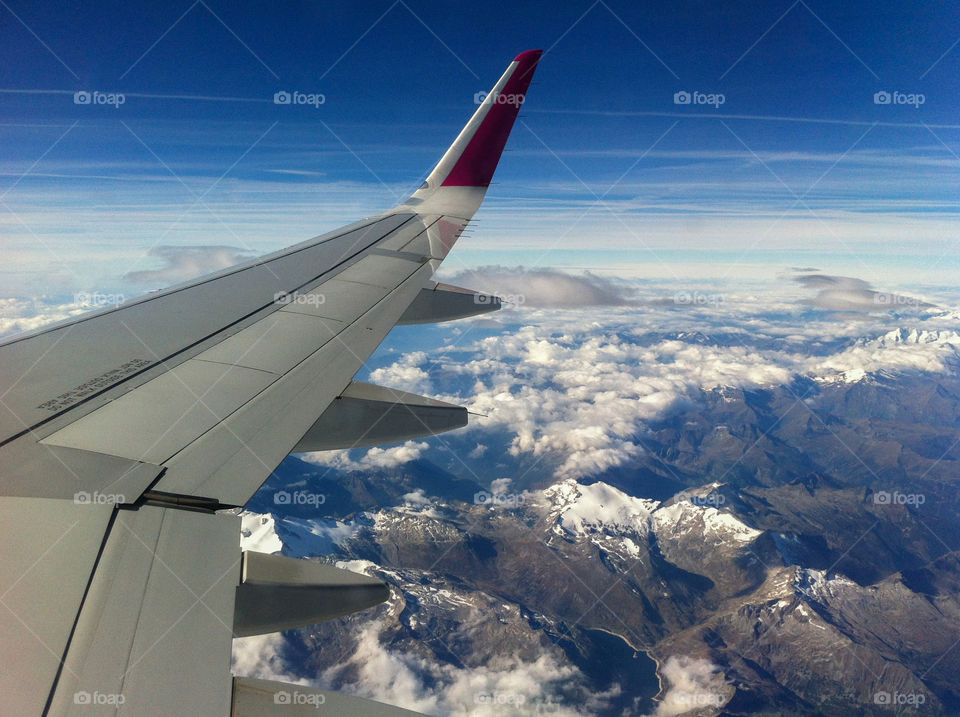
(473,157)
(478,160)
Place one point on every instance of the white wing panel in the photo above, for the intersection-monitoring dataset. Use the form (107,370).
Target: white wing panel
(50,548)
(275,344)
(336,299)
(380,270)
(229,462)
(153,637)
(157,419)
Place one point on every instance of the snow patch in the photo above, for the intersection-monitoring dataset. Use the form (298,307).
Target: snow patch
(584,509)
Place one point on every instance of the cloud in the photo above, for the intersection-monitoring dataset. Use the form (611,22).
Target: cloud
(404,374)
(578,388)
(545,287)
(692,683)
(186,262)
(506,686)
(382,458)
(929,351)
(18,314)
(417,497)
(845,293)
(261,656)
(581,396)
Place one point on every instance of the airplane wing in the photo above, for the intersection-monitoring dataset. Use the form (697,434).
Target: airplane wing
(128,435)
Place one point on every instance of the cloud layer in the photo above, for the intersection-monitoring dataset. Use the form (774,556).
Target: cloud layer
(186,262)
(845,293)
(545,287)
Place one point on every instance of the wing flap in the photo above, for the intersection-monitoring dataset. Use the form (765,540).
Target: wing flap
(369,415)
(280,593)
(152,637)
(50,550)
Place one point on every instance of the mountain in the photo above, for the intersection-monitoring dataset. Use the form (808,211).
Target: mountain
(783,549)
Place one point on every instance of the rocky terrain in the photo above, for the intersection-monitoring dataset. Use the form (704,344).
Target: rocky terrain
(788,550)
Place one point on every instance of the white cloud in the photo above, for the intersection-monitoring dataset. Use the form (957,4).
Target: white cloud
(404,374)
(260,656)
(578,387)
(383,458)
(500,485)
(545,287)
(692,683)
(17,314)
(897,350)
(504,687)
(417,497)
(845,293)
(186,262)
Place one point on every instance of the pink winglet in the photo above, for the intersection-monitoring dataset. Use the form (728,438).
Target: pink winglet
(476,165)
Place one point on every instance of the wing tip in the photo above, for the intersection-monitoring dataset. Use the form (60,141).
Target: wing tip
(528,55)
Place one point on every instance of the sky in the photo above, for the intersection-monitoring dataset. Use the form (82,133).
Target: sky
(811,178)
(785,156)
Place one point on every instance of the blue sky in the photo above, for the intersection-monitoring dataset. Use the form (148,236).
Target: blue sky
(798,166)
